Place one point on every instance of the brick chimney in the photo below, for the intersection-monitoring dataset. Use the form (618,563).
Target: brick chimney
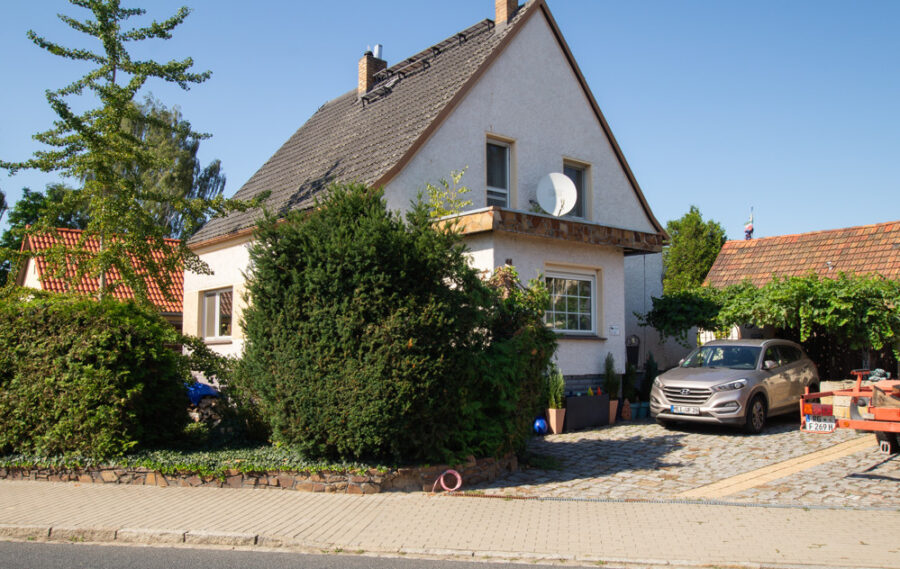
(505,10)
(369,65)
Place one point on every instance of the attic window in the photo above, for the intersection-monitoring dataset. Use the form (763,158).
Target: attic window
(497,154)
(578,174)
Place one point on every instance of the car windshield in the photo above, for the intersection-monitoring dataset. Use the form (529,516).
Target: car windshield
(731,357)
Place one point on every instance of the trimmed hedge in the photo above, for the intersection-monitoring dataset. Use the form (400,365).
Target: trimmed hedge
(78,376)
(370,338)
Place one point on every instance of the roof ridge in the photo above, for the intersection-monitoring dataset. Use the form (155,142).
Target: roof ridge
(171,240)
(419,61)
(817,232)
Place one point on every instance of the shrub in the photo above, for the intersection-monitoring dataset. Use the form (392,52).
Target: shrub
(370,337)
(651,370)
(611,381)
(556,385)
(629,379)
(78,376)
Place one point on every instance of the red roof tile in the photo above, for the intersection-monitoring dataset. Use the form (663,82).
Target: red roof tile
(70,238)
(861,250)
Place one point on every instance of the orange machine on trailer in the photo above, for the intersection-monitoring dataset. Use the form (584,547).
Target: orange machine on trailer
(882,415)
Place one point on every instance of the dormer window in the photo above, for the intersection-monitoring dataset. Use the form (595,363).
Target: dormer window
(497,154)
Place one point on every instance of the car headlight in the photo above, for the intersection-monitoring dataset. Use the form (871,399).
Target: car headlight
(657,383)
(731,385)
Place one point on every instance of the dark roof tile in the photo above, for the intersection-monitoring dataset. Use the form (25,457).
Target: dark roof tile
(359,140)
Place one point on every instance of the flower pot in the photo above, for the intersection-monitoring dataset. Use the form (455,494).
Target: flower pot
(555,420)
(586,411)
(645,409)
(626,410)
(613,407)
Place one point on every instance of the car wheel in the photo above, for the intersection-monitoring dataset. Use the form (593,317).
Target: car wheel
(755,419)
(892,440)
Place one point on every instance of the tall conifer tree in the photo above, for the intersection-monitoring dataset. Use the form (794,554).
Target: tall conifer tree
(97,147)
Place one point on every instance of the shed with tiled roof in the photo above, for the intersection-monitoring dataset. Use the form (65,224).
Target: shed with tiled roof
(866,249)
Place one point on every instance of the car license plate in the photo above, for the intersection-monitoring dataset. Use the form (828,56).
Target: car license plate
(820,423)
(680,410)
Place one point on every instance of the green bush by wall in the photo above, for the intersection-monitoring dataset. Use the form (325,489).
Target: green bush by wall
(78,376)
(369,337)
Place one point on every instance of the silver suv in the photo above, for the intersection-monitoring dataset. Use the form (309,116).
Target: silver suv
(734,382)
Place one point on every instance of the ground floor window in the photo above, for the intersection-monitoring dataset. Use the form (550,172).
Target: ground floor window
(573,302)
(217,310)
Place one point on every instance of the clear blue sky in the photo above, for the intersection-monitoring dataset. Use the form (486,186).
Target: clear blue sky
(791,107)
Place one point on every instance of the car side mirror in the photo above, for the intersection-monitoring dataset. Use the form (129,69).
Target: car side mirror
(770,364)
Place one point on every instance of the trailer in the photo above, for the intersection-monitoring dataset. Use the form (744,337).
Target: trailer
(873,407)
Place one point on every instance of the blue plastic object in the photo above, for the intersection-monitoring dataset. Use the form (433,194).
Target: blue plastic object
(198,391)
(540,426)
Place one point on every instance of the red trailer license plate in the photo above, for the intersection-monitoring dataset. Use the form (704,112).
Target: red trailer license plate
(820,423)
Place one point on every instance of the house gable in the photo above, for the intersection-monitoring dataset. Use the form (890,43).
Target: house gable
(529,94)
(372,138)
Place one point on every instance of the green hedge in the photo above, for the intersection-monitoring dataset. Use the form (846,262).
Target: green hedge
(78,376)
(369,337)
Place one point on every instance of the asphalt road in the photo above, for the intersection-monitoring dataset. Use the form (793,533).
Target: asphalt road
(24,555)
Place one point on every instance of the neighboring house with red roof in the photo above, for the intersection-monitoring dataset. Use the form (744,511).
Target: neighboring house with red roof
(866,249)
(36,273)
(858,250)
(505,99)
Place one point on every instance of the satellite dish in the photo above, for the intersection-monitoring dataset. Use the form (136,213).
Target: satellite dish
(556,194)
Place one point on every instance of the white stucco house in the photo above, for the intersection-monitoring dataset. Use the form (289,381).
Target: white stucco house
(504,99)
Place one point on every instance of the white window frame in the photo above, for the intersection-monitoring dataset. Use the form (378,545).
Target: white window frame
(218,312)
(590,278)
(493,189)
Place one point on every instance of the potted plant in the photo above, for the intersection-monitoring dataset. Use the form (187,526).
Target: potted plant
(586,411)
(630,404)
(556,413)
(651,370)
(611,386)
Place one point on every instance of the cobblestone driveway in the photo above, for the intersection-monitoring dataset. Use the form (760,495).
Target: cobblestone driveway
(641,460)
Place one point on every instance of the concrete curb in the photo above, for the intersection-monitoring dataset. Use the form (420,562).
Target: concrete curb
(220,538)
(25,532)
(248,541)
(96,535)
(147,536)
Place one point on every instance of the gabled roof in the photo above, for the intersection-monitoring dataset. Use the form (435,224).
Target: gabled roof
(861,250)
(370,140)
(71,238)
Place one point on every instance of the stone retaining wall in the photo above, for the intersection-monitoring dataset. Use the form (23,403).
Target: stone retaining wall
(373,482)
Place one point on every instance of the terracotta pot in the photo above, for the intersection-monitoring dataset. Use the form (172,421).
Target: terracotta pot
(555,419)
(626,411)
(613,407)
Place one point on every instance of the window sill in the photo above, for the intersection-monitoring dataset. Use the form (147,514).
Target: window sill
(217,341)
(570,336)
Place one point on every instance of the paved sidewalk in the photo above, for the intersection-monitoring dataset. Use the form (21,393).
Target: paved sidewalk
(629,534)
